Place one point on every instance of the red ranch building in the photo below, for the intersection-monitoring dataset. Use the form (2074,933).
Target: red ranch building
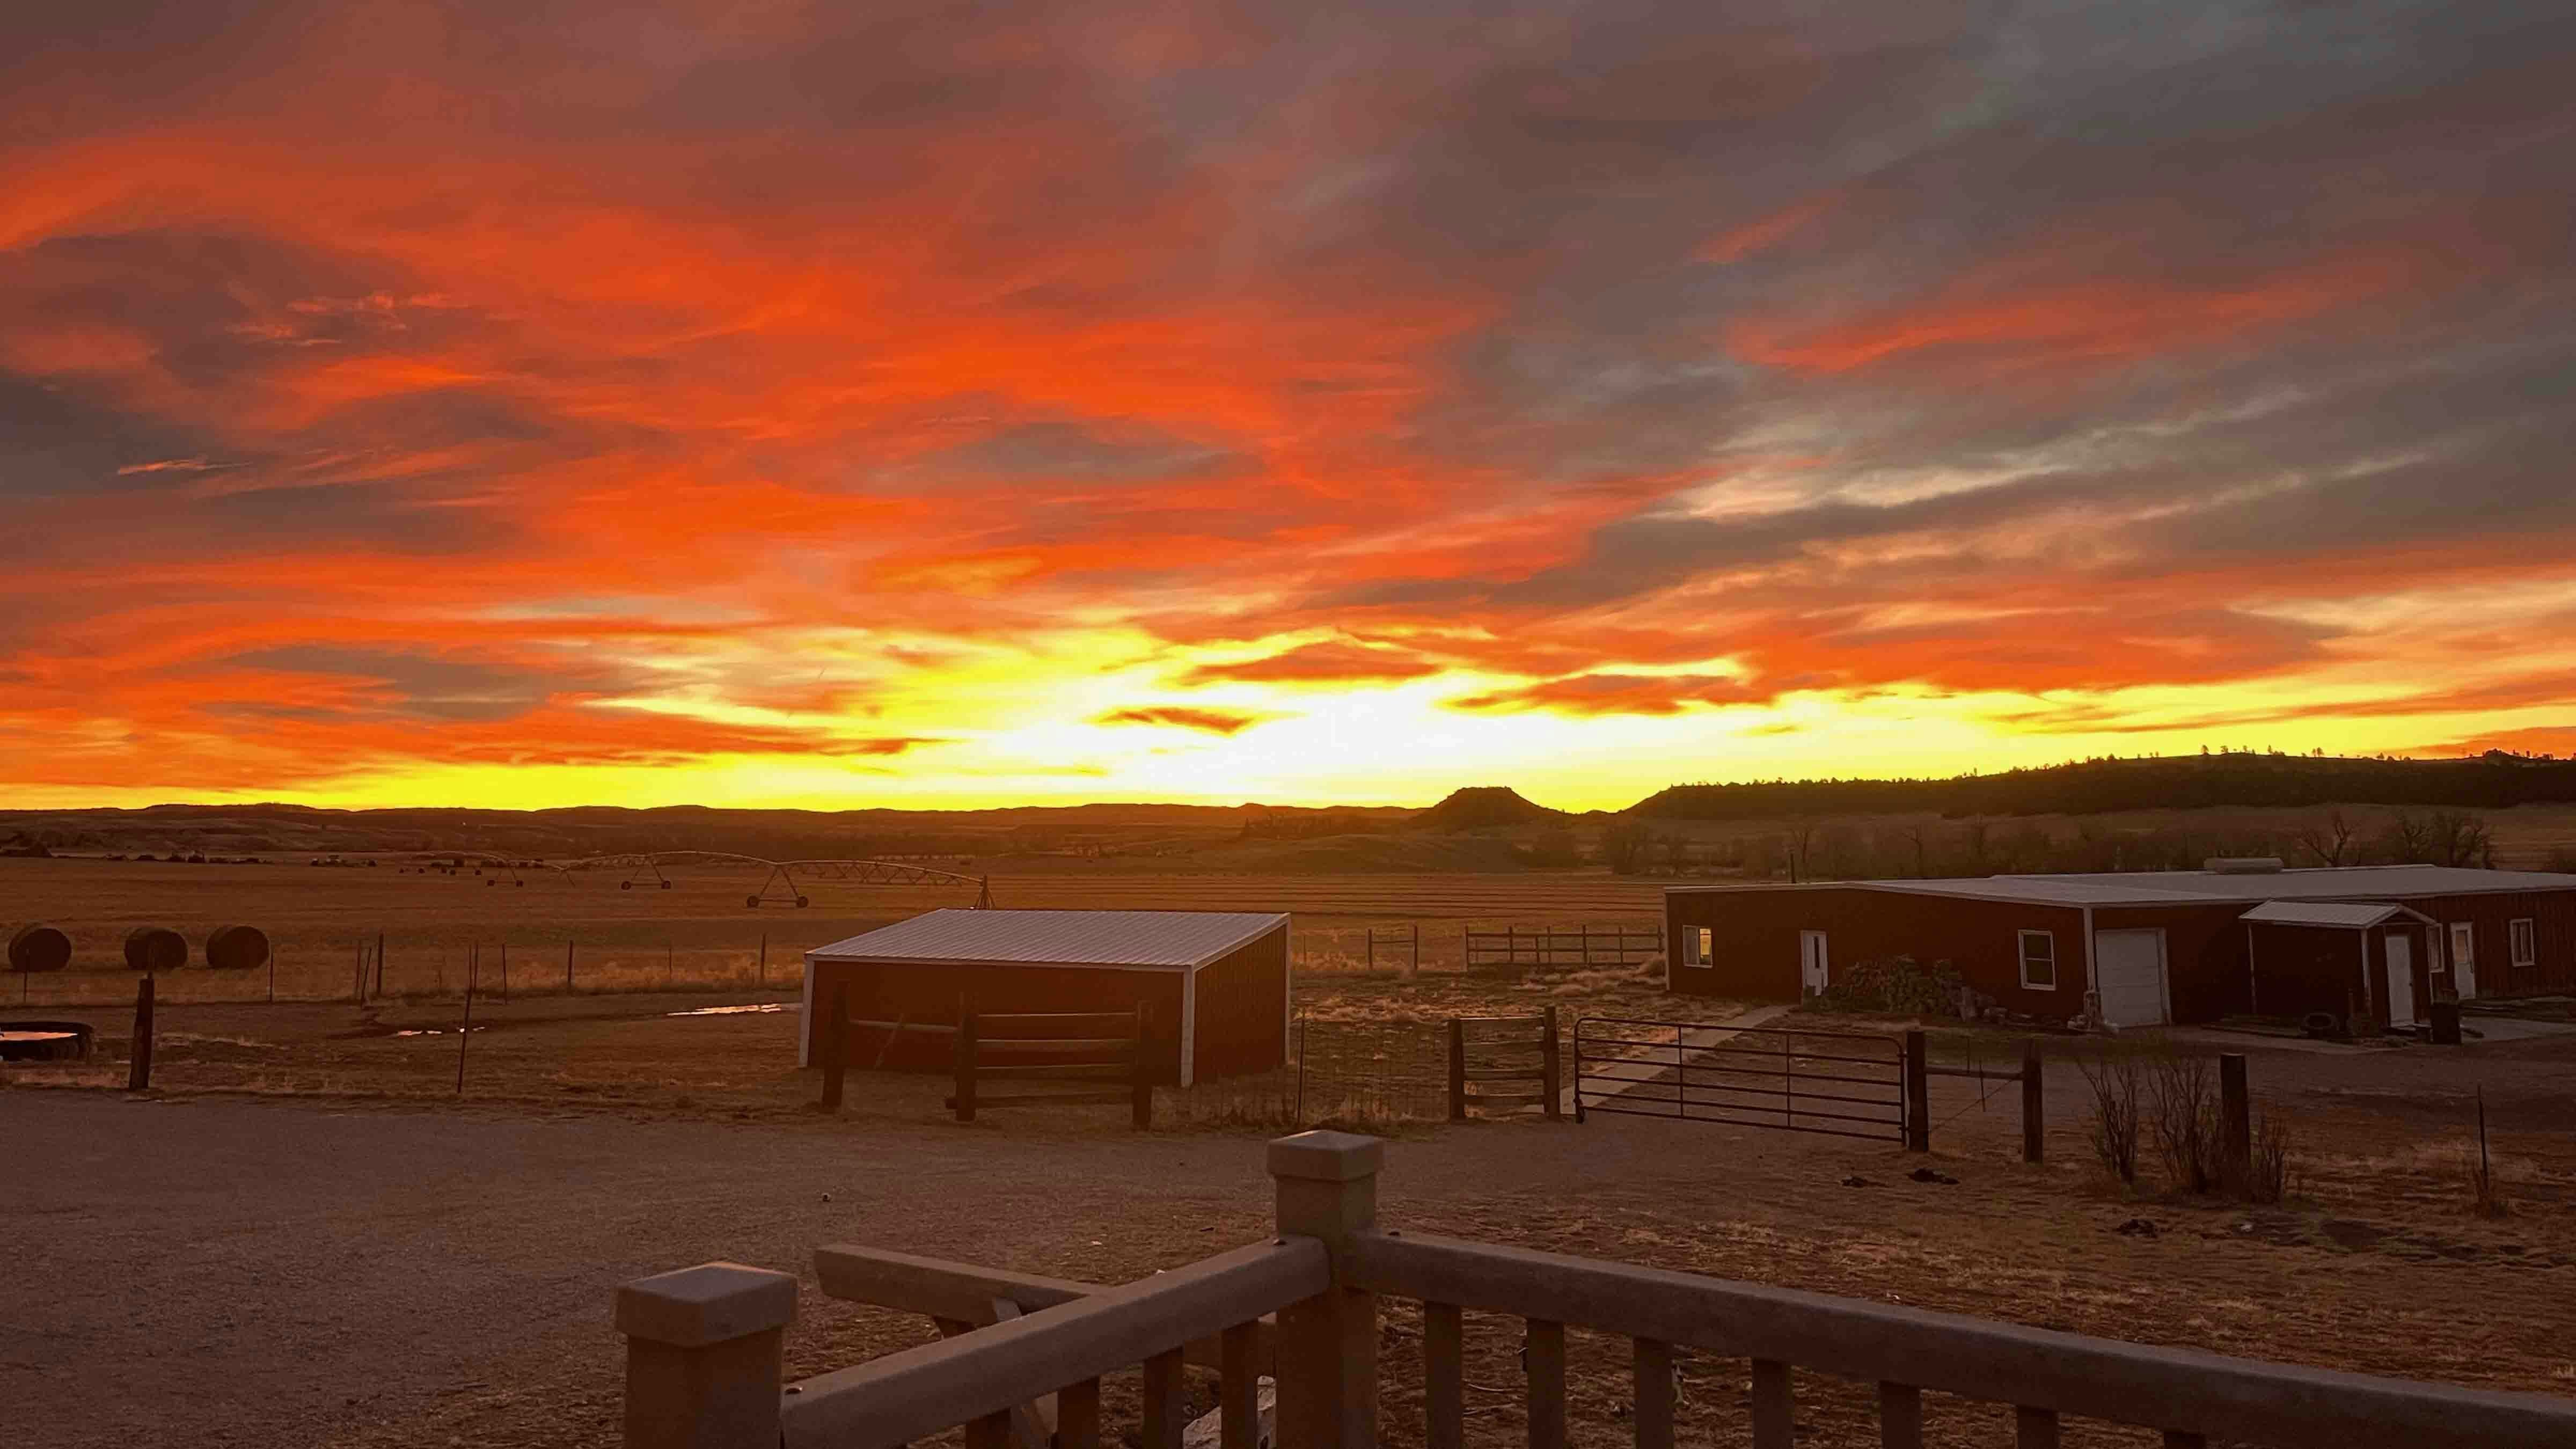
(2146,947)
(1221,975)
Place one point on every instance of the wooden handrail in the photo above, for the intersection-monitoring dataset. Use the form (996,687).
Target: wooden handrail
(921,1391)
(2172,1389)
(963,1292)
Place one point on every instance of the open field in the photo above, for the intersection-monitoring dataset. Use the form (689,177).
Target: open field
(698,932)
(331,1271)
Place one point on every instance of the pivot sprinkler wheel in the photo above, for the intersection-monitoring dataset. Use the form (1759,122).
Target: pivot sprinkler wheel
(751,902)
(803,901)
(666,885)
(626,885)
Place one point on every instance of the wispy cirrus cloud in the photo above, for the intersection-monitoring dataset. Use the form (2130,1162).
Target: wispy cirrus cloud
(1184,717)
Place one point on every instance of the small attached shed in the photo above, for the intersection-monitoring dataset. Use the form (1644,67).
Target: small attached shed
(1221,976)
(2345,959)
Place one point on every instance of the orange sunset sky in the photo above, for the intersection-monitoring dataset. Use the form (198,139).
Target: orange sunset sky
(778,403)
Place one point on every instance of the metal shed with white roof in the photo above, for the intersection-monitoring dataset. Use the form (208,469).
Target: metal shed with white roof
(2364,944)
(1217,980)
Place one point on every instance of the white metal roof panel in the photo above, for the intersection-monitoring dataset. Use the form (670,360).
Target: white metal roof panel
(1057,938)
(2349,915)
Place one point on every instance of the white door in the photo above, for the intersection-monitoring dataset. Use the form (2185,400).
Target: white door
(1811,963)
(2464,959)
(2129,972)
(2401,979)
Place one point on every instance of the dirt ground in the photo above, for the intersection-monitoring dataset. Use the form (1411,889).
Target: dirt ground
(308,1240)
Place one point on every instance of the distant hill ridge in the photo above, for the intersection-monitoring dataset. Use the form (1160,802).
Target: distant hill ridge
(1486,807)
(2493,781)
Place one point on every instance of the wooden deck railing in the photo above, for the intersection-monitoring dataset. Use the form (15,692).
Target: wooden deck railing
(704,1350)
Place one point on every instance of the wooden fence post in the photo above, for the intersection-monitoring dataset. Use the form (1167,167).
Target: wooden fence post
(1327,1370)
(835,1027)
(764,960)
(465,1031)
(1551,1069)
(965,1067)
(704,1360)
(1141,1071)
(1918,1094)
(380,963)
(2034,1116)
(2236,1119)
(567,968)
(138,1075)
(1457,1070)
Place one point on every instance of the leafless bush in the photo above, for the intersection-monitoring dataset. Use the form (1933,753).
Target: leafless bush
(2268,1177)
(2113,1127)
(2183,1117)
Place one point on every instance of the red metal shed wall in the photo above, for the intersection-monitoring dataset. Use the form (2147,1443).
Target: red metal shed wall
(2553,918)
(1243,1009)
(1756,935)
(2308,968)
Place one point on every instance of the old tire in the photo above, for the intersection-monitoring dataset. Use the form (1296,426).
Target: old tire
(44,1041)
(36,946)
(237,948)
(155,948)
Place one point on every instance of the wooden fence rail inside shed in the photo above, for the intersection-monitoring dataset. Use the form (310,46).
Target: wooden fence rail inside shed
(1080,1049)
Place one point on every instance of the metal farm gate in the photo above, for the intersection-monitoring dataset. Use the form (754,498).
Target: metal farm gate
(1847,1084)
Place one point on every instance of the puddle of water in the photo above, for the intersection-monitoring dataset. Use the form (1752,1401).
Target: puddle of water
(433,1031)
(736,1010)
(38,1035)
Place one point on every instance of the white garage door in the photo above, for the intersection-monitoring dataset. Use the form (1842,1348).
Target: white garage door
(2129,971)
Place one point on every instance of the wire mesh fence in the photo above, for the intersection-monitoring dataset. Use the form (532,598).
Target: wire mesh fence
(383,968)
(1346,1074)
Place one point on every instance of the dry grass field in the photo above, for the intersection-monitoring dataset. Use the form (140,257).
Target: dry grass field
(697,934)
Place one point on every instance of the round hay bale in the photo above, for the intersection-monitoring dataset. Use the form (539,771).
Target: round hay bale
(155,948)
(36,946)
(237,948)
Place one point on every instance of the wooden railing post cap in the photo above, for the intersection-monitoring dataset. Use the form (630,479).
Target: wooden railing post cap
(1321,1156)
(708,1304)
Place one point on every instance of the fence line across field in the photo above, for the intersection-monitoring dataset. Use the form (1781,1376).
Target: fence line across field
(1545,946)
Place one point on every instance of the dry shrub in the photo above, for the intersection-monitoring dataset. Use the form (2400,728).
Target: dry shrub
(2183,1116)
(2269,1176)
(2484,1194)
(2113,1126)
(1898,985)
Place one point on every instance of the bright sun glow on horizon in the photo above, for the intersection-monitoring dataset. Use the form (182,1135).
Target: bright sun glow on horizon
(834,407)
